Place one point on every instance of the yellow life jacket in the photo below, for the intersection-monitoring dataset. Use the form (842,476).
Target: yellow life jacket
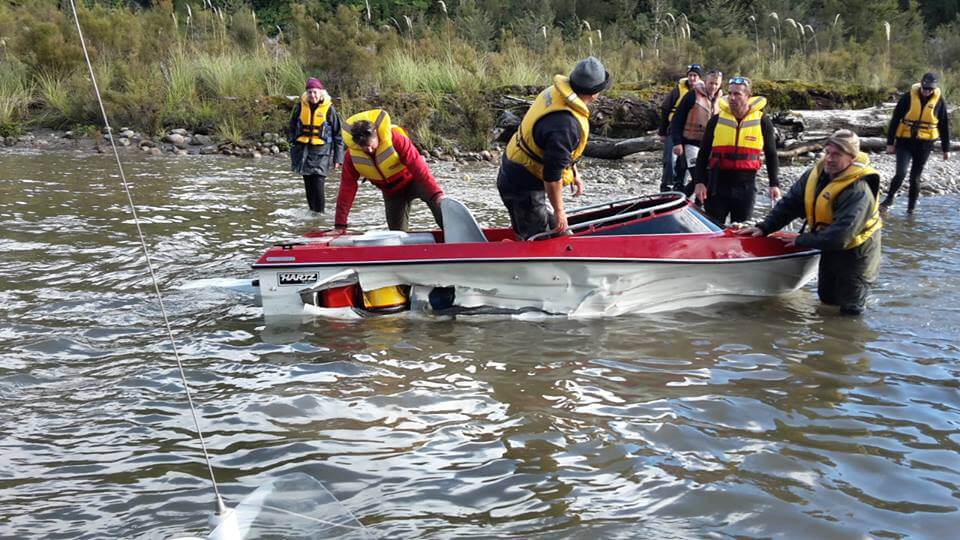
(702,111)
(385,165)
(523,149)
(683,86)
(819,206)
(312,120)
(920,122)
(738,145)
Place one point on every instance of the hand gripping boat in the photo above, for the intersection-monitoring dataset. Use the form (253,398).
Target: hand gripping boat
(643,254)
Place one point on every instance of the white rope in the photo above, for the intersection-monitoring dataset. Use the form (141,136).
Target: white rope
(221,507)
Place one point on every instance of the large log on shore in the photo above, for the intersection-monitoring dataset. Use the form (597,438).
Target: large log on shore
(870,122)
(607,148)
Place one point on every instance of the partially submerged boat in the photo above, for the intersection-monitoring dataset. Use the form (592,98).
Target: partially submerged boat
(638,255)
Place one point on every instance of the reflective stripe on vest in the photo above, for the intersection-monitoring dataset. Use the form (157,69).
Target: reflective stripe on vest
(523,150)
(818,207)
(920,122)
(702,111)
(683,86)
(738,145)
(384,167)
(312,120)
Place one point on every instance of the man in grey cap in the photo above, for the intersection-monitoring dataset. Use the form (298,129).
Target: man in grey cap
(838,198)
(919,118)
(541,156)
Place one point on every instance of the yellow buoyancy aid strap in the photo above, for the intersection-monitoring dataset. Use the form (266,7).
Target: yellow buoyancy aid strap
(921,121)
(312,119)
(818,207)
(523,148)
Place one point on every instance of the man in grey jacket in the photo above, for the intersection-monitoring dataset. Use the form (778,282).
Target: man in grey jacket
(838,197)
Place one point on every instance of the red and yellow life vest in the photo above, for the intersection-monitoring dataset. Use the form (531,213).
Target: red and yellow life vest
(819,206)
(384,167)
(523,149)
(738,144)
(683,86)
(312,119)
(702,111)
(920,122)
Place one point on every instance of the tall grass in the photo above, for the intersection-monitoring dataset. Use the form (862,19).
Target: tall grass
(407,72)
(15,93)
(162,68)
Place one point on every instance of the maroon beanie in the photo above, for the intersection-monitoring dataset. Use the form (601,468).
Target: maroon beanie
(314,83)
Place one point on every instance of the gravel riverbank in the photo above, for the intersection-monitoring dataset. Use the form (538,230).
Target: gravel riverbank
(637,172)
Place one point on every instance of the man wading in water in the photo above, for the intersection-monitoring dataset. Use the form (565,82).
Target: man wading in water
(838,197)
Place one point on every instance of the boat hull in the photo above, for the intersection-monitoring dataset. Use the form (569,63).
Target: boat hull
(582,287)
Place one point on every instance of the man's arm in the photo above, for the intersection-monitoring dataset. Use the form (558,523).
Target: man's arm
(788,208)
(558,134)
(555,195)
(898,112)
(703,159)
(665,108)
(347,193)
(770,150)
(943,126)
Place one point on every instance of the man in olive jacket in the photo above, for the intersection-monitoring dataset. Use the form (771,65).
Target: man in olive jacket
(842,220)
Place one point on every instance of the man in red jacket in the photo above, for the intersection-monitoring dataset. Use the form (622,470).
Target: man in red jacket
(382,153)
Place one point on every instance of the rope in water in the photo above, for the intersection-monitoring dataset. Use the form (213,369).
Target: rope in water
(221,507)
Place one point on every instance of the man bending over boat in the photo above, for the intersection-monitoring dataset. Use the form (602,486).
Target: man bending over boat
(542,155)
(383,153)
(838,196)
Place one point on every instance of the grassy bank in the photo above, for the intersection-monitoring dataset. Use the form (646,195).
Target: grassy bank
(210,70)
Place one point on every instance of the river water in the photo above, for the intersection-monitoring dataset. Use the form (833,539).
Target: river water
(776,418)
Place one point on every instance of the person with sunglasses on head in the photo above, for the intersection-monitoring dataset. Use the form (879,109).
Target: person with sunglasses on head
(315,143)
(381,152)
(919,118)
(736,143)
(669,138)
(694,112)
(541,157)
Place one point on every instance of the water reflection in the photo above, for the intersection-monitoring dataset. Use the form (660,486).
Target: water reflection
(775,418)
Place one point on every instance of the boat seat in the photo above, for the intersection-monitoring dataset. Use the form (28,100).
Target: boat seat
(459,225)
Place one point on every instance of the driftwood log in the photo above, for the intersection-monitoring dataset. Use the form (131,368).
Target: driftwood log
(606,148)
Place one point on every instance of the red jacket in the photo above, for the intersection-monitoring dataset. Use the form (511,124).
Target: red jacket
(417,171)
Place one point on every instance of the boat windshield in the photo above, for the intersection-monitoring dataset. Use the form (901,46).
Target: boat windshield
(685,220)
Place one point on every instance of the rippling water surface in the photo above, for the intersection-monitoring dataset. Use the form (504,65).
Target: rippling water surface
(776,418)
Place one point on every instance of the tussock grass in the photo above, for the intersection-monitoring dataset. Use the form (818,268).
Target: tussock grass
(406,72)
(15,93)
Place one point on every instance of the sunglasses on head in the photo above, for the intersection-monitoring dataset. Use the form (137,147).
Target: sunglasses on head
(739,80)
(693,67)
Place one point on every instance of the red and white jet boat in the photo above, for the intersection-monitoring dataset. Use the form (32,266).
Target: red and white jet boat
(643,254)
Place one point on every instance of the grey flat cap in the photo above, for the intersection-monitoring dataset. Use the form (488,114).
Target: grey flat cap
(589,77)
